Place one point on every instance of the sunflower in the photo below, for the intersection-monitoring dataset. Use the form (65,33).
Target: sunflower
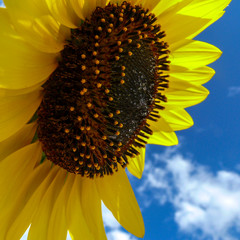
(84,86)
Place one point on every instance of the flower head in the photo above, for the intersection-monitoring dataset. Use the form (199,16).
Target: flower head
(84,86)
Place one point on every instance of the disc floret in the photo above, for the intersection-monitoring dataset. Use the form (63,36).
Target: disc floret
(109,82)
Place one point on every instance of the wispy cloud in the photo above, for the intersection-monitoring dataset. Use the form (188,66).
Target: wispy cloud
(233,91)
(119,235)
(204,202)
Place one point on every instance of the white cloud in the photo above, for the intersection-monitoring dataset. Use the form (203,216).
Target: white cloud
(206,205)
(233,91)
(119,235)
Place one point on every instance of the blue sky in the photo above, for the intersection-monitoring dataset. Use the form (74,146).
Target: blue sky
(192,191)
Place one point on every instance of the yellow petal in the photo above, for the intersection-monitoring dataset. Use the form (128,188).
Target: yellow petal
(16,111)
(163,138)
(84,8)
(166,9)
(79,7)
(91,206)
(27,7)
(14,170)
(185,97)
(33,22)
(15,167)
(197,76)
(118,196)
(20,139)
(219,15)
(21,65)
(62,10)
(197,25)
(102,3)
(28,199)
(205,8)
(194,54)
(172,119)
(176,14)
(57,227)
(136,165)
(77,225)
(40,221)
(179,27)
(178,119)
(177,84)
(120,1)
(159,125)
(150,4)
(6,92)
(21,69)
(44,33)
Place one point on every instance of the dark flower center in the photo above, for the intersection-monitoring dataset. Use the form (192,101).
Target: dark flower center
(94,113)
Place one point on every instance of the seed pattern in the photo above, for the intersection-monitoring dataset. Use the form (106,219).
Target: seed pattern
(109,82)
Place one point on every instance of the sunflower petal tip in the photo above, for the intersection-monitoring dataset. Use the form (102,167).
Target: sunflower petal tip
(139,175)
(212,71)
(141,231)
(190,123)
(207,92)
(176,141)
(142,234)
